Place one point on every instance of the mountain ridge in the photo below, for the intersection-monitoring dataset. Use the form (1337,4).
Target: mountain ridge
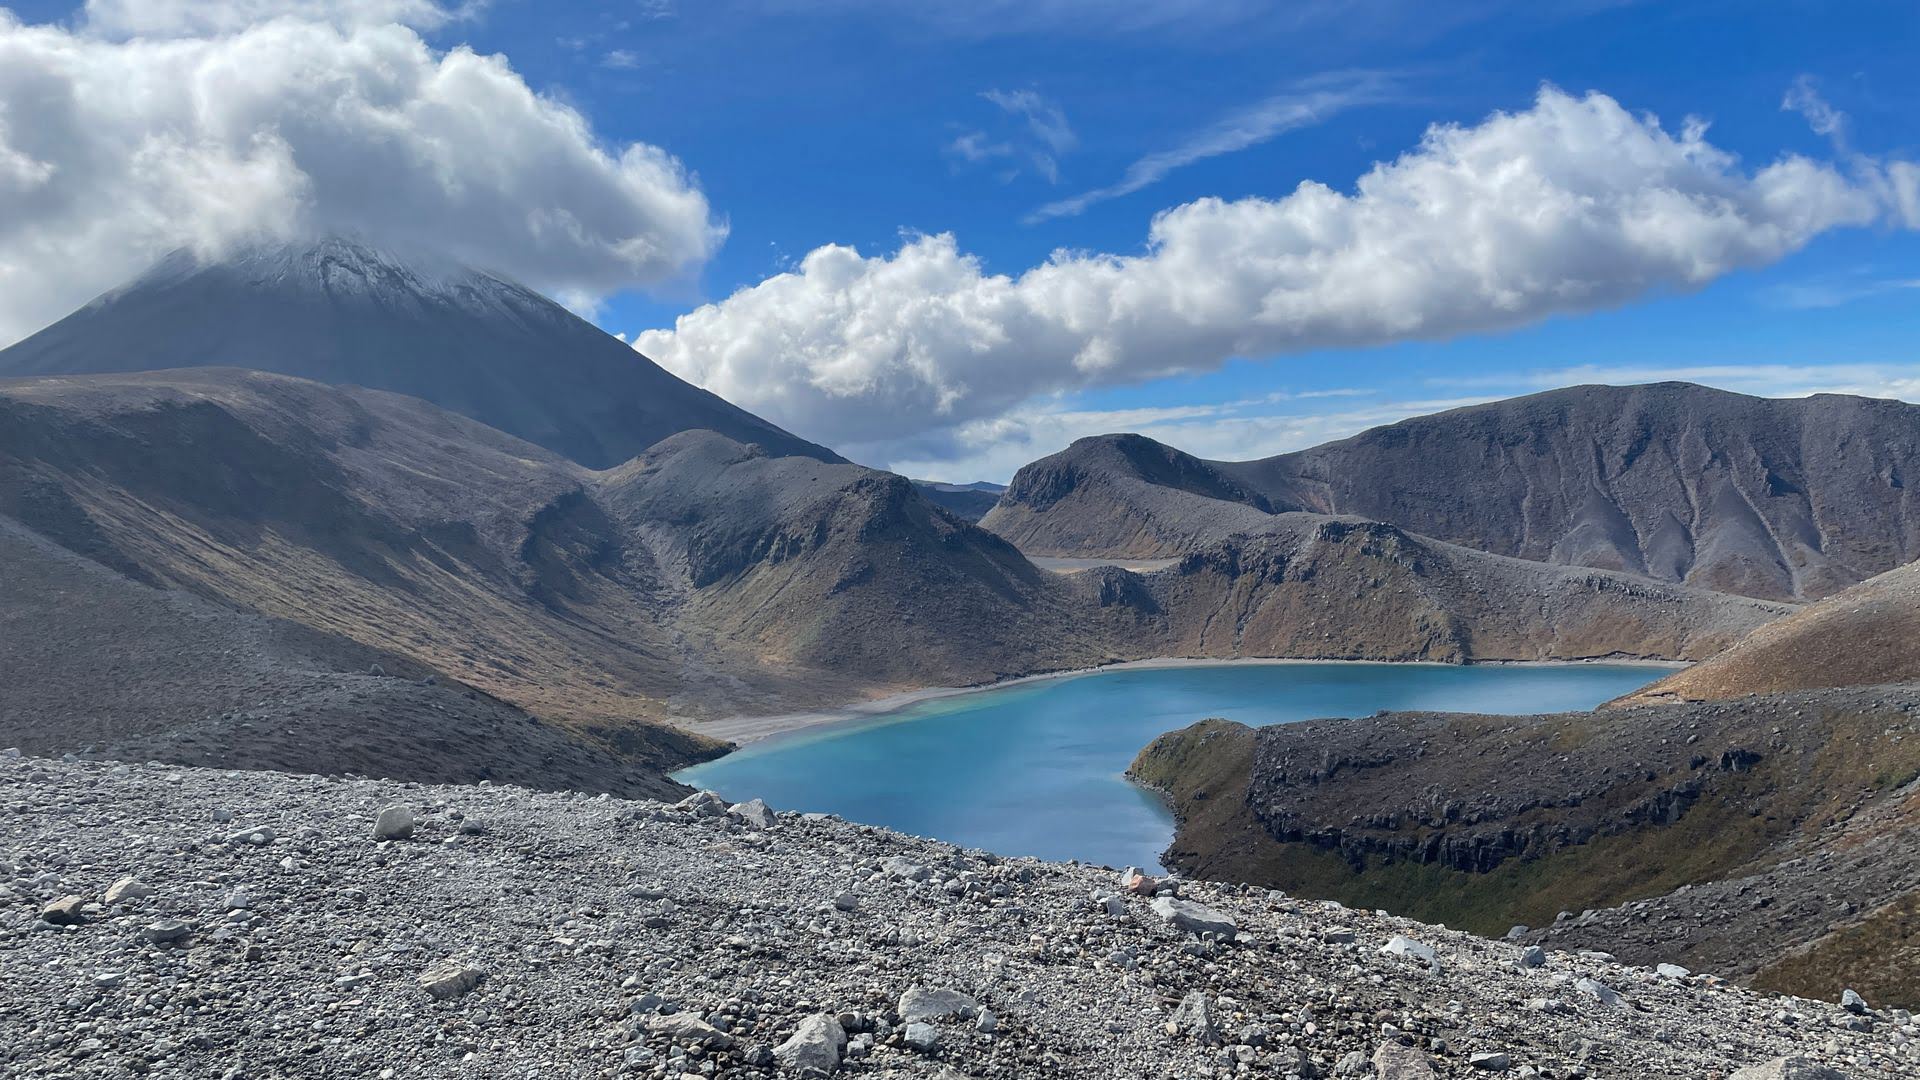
(1774,498)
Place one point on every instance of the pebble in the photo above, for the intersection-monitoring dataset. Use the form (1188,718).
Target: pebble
(394,823)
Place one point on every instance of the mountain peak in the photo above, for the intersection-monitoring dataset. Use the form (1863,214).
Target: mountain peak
(346,311)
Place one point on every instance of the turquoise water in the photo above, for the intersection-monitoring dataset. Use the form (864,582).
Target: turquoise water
(1036,768)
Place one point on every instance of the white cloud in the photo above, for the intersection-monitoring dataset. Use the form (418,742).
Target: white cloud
(1312,102)
(1901,381)
(1044,118)
(203,18)
(995,449)
(116,149)
(1572,205)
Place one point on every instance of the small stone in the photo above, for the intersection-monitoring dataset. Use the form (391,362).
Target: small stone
(127,888)
(451,979)
(814,1048)
(1494,1061)
(1352,1063)
(921,1003)
(64,911)
(1138,882)
(1671,971)
(987,1024)
(1392,1061)
(394,823)
(1194,918)
(846,901)
(1853,1003)
(922,1037)
(255,837)
(1338,935)
(1533,956)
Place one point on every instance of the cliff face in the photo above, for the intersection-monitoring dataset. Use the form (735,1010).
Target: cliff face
(1762,497)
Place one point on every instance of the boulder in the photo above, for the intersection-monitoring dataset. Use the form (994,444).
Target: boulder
(754,813)
(1392,1061)
(1194,918)
(814,1048)
(394,823)
(1411,949)
(451,980)
(127,888)
(1194,1019)
(64,911)
(921,1003)
(1599,991)
(687,1029)
(706,804)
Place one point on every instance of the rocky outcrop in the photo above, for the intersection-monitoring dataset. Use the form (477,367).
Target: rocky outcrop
(1782,499)
(1489,821)
(574,935)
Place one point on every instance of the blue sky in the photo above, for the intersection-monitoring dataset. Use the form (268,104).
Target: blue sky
(862,123)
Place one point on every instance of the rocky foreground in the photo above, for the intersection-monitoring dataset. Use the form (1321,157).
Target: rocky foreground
(184,922)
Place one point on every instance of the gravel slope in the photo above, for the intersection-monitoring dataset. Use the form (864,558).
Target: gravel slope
(296,945)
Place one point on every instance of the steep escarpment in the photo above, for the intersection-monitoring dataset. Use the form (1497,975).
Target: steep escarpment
(1775,498)
(1867,635)
(1486,821)
(1307,585)
(340,311)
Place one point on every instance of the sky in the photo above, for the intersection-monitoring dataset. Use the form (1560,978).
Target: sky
(947,238)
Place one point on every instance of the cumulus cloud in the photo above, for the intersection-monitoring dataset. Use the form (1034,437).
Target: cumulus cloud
(201,127)
(1572,205)
(201,18)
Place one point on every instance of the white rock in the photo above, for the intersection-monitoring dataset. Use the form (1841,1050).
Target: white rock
(1414,950)
(394,823)
(923,1003)
(814,1048)
(451,979)
(127,888)
(1194,918)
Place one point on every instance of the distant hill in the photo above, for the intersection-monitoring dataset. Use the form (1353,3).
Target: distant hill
(1776,498)
(343,312)
(968,502)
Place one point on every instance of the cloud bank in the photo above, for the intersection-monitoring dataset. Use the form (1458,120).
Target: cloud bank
(1572,205)
(158,125)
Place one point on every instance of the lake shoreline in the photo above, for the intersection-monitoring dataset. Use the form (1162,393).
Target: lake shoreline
(744,731)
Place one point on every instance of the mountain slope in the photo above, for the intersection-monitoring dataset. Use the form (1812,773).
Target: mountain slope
(342,312)
(1313,585)
(95,662)
(1765,497)
(1866,635)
